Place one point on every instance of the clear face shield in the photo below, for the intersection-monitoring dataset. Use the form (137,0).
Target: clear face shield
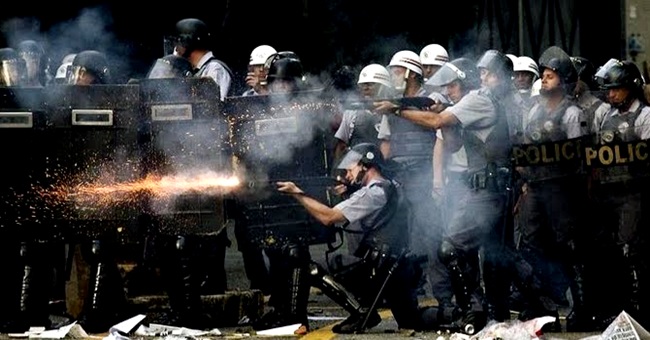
(602,71)
(445,75)
(12,72)
(164,69)
(77,75)
(33,65)
(347,163)
(399,75)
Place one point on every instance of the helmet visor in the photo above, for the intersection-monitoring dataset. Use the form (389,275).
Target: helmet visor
(12,73)
(445,75)
(164,69)
(602,72)
(350,159)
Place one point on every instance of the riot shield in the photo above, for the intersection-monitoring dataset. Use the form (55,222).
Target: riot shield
(188,149)
(277,138)
(23,134)
(96,131)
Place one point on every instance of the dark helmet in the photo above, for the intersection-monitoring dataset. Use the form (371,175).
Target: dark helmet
(170,66)
(344,78)
(284,67)
(93,62)
(586,70)
(192,34)
(13,70)
(368,154)
(279,55)
(462,69)
(36,61)
(622,74)
(496,62)
(563,67)
(30,47)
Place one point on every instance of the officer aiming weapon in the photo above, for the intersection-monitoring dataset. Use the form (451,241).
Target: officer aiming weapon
(405,102)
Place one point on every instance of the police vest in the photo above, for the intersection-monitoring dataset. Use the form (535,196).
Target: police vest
(232,75)
(497,146)
(410,141)
(390,227)
(619,129)
(364,127)
(544,128)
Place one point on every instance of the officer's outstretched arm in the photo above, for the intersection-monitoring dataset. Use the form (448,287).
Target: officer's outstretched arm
(429,119)
(323,213)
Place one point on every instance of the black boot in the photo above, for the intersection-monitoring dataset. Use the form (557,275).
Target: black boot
(538,302)
(464,273)
(581,318)
(106,299)
(184,297)
(496,279)
(34,297)
(335,291)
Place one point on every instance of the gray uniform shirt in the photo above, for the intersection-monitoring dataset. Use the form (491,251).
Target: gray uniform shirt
(641,123)
(363,207)
(215,70)
(476,114)
(572,120)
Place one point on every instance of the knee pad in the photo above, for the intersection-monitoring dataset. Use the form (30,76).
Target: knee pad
(448,253)
(297,255)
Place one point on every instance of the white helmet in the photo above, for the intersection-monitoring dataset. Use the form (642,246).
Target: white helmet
(408,59)
(512,57)
(434,54)
(260,54)
(66,65)
(374,73)
(525,63)
(537,86)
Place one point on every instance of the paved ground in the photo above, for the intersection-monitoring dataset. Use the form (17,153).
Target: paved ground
(324,313)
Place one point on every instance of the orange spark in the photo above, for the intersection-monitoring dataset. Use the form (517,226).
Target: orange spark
(158,186)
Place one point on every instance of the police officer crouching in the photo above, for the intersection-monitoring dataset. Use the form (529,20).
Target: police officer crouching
(377,211)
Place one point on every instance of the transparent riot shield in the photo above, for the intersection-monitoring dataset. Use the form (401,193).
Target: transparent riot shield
(276,138)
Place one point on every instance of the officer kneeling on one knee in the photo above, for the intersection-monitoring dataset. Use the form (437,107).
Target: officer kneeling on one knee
(375,210)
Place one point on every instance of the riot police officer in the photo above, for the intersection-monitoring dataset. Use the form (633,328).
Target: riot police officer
(37,62)
(105,295)
(481,209)
(621,192)
(376,210)
(457,78)
(360,125)
(90,67)
(555,194)
(411,146)
(585,91)
(27,253)
(192,40)
(289,258)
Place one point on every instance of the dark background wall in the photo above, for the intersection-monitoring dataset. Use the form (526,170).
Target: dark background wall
(326,34)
